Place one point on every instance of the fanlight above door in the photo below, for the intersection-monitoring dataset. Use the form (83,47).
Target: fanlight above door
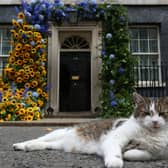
(75,42)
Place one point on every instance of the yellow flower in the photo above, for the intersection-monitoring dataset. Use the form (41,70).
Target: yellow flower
(19,62)
(2,112)
(37,115)
(13,102)
(18,47)
(26,27)
(29,118)
(33,51)
(22,111)
(4,99)
(1,120)
(27,85)
(39,91)
(15,23)
(34,84)
(21,15)
(30,109)
(27,55)
(19,80)
(11,59)
(18,105)
(16,35)
(29,93)
(40,103)
(16,54)
(8,117)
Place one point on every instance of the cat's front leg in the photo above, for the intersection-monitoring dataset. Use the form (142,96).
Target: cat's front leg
(112,154)
(137,155)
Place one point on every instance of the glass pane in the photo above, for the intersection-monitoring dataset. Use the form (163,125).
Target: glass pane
(143,60)
(134,33)
(134,46)
(5,48)
(152,33)
(143,33)
(153,46)
(144,74)
(153,60)
(143,45)
(3,62)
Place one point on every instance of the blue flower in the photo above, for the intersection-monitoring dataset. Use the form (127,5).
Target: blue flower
(1,96)
(121,70)
(111,56)
(41,17)
(35,94)
(37,26)
(32,43)
(108,36)
(111,94)
(122,19)
(113,103)
(112,82)
(103,53)
(20,21)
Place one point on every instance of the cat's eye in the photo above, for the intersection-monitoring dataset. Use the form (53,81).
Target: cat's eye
(162,114)
(147,113)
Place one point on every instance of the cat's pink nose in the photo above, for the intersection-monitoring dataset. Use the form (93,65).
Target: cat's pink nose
(155,124)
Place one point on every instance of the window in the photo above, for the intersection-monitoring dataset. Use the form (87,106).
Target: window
(5,47)
(144,44)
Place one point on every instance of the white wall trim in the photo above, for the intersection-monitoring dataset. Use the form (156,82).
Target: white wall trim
(123,2)
(9,2)
(54,59)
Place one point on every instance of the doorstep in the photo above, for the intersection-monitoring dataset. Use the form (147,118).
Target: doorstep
(49,122)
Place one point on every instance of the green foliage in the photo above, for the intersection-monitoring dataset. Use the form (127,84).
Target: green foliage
(117,64)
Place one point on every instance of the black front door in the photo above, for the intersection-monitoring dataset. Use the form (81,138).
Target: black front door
(75,81)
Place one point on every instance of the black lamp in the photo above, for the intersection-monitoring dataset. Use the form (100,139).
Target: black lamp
(73,16)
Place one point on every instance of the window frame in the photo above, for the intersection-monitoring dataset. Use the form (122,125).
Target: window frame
(1,44)
(147,83)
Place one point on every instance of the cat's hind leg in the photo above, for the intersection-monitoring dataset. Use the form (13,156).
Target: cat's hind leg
(42,145)
(56,135)
(137,155)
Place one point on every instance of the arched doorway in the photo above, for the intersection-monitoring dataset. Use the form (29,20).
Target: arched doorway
(75,74)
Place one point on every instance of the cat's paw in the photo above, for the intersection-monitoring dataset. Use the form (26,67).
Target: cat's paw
(19,146)
(114,162)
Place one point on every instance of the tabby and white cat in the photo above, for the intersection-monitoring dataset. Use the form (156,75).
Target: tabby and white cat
(144,136)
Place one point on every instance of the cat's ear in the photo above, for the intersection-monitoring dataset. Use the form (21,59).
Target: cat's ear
(137,98)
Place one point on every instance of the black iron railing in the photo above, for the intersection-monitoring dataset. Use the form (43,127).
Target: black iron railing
(151,81)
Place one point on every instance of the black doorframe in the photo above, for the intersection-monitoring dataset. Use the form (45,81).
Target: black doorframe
(75,82)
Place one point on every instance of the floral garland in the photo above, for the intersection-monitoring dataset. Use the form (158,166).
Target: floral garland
(29,73)
(24,92)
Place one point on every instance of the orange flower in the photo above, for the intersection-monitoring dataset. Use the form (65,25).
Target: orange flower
(27,55)
(19,62)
